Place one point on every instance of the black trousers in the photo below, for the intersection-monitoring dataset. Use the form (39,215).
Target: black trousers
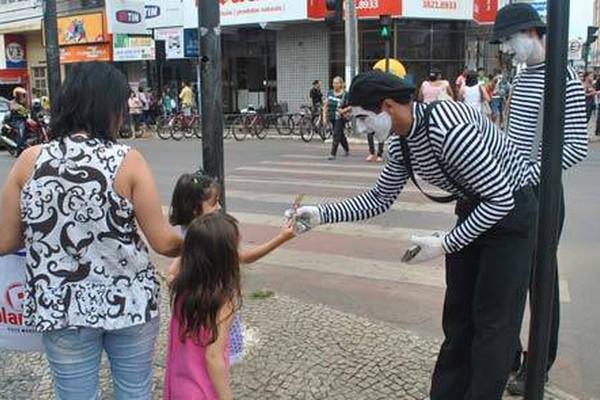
(371,140)
(555,322)
(486,288)
(339,137)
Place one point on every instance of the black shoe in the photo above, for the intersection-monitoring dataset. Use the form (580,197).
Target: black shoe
(516,384)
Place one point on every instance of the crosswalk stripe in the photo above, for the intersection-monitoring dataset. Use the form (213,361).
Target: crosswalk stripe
(285,198)
(422,274)
(320,173)
(323,184)
(303,156)
(328,165)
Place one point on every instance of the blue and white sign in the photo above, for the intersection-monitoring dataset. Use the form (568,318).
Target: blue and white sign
(190,43)
(163,14)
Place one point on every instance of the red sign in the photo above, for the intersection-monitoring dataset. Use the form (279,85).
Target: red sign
(364,8)
(14,77)
(85,52)
(484,11)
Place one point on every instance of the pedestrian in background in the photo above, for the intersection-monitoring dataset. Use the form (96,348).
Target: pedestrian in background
(316,96)
(167,101)
(332,112)
(500,90)
(474,94)
(460,80)
(186,99)
(590,95)
(76,204)
(519,27)
(136,111)
(435,88)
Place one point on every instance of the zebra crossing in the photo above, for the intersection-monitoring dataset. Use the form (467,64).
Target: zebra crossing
(258,194)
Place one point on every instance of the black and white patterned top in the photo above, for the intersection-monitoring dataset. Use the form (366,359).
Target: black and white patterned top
(86,263)
(525,103)
(474,153)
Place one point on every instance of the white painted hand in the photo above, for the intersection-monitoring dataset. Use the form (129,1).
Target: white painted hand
(305,217)
(431,247)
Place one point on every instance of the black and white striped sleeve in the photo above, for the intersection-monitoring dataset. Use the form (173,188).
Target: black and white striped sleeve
(575,146)
(464,151)
(374,201)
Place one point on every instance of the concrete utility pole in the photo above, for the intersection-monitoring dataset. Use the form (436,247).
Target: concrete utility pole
(52,49)
(209,58)
(351,30)
(550,187)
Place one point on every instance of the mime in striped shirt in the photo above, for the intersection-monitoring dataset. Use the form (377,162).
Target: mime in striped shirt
(520,30)
(454,147)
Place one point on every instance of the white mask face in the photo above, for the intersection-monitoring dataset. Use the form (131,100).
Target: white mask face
(368,121)
(526,49)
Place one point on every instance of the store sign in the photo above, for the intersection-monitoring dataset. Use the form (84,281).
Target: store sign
(13,52)
(173,38)
(163,14)
(364,8)
(14,77)
(133,48)
(575,50)
(126,16)
(85,53)
(438,9)
(81,29)
(484,11)
(190,43)
(244,12)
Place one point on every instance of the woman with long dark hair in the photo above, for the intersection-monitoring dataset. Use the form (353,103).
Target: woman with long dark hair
(75,204)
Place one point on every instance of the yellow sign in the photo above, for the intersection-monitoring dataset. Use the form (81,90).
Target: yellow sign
(81,29)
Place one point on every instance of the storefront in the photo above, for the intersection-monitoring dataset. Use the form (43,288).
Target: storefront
(13,64)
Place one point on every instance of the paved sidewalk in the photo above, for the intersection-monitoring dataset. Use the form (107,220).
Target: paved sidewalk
(295,350)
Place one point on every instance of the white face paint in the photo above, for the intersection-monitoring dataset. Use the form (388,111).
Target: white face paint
(526,49)
(368,121)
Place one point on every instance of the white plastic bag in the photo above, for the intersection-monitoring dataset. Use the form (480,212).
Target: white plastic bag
(13,334)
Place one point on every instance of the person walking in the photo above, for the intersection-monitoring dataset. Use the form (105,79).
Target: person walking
(75,205)
(487,253)
(521,31)
(590,95)
(332,112)
(475,95)
(435,88)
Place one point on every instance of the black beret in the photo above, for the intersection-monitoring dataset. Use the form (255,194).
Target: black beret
(369,89)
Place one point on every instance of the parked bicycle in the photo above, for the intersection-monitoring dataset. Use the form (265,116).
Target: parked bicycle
(313,124)
(177,126)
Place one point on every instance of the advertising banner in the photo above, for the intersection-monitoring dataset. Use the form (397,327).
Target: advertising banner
(13,334)
(173,38)
(243,12)
(133,48)
(81,29)
(364,8)
(163,14)
(190,43)
(484,11)
(126,16)
(438,9)
(85,53)
(14,54)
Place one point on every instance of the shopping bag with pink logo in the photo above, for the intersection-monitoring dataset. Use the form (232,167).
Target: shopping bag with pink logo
(13,334)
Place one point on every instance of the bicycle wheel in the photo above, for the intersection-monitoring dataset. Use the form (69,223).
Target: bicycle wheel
(326,131)
(239,129)
(161,128)
(295,121)
(260,128)
(306,129)
(197,128)
(283,125)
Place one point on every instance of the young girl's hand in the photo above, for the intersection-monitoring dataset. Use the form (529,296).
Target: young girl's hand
(287,231)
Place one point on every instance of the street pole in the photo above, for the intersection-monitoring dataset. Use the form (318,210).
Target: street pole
(52,49)
(387,55)
(550,192)
(209,58)
(586,56)
(351,30)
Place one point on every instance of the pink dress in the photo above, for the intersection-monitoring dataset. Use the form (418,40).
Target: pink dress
(186,375)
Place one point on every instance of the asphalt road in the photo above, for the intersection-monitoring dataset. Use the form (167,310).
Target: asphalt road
(262,175)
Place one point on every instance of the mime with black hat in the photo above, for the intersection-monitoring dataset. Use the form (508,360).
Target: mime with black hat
(454,147)
(520,31)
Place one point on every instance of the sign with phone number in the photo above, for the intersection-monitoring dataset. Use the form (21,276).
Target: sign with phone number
(364,8)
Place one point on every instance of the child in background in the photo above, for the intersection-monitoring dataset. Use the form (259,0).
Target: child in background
(196,195)
(205,293)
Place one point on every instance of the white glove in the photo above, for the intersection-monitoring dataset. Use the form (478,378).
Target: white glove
(305,218)
(431,247)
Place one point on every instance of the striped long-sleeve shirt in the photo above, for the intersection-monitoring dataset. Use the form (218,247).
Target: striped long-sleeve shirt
(525,103)
(474,153)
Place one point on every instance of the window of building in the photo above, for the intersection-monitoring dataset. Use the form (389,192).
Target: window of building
(38,81)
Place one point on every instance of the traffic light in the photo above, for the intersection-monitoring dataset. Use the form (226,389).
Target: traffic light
(592,34)
(335,11)
(385,27)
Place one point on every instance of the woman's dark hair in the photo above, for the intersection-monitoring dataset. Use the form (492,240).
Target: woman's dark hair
(92,99)
(434,75)
(208,278)
(189,193)
(472,78)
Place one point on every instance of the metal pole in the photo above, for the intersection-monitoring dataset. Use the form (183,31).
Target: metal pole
(550,187)
(387,55)
(52,49)
(586,56)
(351,28)
(209,37)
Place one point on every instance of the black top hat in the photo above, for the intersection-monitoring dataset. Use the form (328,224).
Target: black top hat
(515,18)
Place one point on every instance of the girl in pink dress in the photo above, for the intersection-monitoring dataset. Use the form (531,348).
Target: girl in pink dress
(205,293)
